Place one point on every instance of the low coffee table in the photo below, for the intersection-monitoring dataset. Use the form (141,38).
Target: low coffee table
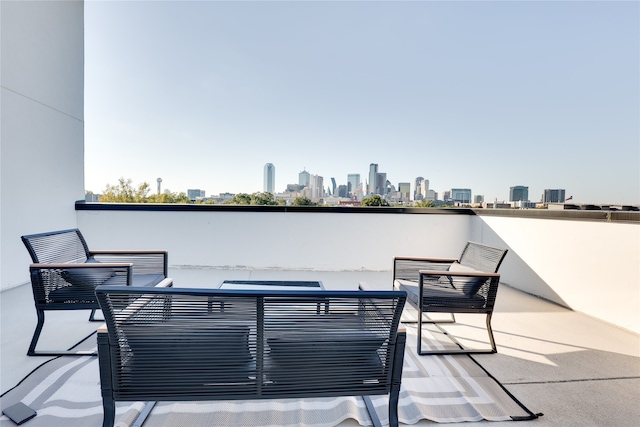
(276,285)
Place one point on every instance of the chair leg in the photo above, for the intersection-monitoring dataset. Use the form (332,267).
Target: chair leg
(36,333)
(490,331)
(36,336)
(462,349)
(92,316)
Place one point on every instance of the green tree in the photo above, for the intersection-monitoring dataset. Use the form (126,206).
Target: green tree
(425,204)
(168,198)
(240,199)
(265,198)
(374,200)
(302,201)
(124,192)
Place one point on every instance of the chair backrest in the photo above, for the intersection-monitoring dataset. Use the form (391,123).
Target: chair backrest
(57,247)
(209,344)
(482,257)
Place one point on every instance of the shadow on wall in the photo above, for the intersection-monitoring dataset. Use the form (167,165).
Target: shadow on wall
(515,271)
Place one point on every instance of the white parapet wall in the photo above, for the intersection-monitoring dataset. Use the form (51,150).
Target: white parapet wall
(279,240)
(591,267)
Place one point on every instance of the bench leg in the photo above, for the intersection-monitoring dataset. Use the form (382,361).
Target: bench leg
(372,411)
(144,414)
(109,412)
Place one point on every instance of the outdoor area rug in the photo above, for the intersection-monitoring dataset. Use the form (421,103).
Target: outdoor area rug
(65,392)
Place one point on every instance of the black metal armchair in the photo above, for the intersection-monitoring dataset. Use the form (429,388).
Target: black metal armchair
(65,273)
(447,285)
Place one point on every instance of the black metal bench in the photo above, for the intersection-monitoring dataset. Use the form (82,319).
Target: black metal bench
(178,344)
(65,272)
(445,285)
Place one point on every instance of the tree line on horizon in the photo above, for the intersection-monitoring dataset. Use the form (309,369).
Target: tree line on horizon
(125,192)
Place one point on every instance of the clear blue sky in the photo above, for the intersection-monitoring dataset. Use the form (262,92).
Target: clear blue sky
(483,94)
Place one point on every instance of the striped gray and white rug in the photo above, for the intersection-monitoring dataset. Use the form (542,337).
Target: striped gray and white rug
(445,389)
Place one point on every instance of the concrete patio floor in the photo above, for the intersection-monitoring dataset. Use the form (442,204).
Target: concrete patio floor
(576,370)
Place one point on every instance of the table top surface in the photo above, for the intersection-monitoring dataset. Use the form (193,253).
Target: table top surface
(276,285)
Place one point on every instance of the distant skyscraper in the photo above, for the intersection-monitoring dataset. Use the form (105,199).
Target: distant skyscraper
(461,195)
(405,191)
(269,178)
(194,194)
(519,192)
(304,178)
(353,183)
(424,189)
(317,187)
(553,196)
(381,183)
(373,178)
(417,190)
(333,186)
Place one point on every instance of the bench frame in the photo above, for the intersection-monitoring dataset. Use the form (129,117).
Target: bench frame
(114,366)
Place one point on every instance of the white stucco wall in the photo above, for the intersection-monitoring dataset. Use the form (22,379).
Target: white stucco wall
(279,240)
(42,124)
(591,267)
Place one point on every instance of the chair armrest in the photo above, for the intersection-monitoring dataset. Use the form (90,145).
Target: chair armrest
(144,261)
(64,266)
(407,268)
(418,259)
(458,273)
(92,274)
(166,283)
(74,280)
(117,253)
(469,283)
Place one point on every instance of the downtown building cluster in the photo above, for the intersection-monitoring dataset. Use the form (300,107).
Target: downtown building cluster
(312,186)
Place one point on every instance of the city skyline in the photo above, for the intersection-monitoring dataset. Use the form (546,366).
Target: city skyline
(480,95)
(306,178)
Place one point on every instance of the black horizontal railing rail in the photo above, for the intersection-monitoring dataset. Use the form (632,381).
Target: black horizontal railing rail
(574,215)
(178,207)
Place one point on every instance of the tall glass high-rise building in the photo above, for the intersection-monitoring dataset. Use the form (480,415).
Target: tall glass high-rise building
(417,189)
(353,183)
(373,178)
(304,178)
(405,191)
(269,178)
